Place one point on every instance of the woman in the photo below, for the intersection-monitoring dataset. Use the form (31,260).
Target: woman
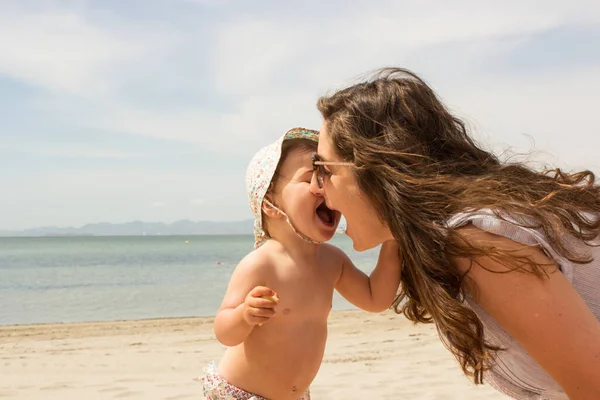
(500,257)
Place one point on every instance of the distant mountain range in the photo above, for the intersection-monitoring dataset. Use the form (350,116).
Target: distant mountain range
(139,228)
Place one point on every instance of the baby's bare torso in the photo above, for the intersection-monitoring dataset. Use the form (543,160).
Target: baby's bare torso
(281,358)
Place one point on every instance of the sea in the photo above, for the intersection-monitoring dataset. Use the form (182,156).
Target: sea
(97,278)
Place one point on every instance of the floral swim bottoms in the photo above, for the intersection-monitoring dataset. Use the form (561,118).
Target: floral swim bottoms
(215,387)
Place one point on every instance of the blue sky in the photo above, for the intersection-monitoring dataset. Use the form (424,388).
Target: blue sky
(112,111)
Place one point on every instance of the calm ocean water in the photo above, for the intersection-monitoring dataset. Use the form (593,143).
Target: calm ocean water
(70,279)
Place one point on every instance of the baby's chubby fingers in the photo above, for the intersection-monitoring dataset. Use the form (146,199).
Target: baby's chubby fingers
(259,302)
(262,312)
(260,291)
(265,293)
(260,305)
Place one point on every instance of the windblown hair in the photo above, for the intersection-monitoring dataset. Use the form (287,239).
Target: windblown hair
(418,165)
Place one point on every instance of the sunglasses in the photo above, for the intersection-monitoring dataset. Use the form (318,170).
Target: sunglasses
(320,172)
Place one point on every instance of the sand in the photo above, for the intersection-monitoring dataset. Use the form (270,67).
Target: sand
(368,356)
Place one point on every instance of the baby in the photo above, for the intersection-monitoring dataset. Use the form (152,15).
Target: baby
(273,317)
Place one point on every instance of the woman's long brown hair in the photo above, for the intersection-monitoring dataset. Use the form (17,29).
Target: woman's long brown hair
(419,166)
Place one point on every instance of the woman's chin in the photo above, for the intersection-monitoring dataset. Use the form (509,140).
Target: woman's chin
(356,243)
(361,245)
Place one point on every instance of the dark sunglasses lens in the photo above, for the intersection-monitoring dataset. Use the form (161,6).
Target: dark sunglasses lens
(320,175)
(318,169)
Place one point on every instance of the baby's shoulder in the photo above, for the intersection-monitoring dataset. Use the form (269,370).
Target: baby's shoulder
(254,269)
(332,255)
(258,260)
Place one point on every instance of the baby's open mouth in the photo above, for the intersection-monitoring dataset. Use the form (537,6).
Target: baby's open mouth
(326,215)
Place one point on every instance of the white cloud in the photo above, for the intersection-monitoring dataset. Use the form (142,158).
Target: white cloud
(83,151)
(251,123)
(197,202)
(271,70)
(15,143)
(261,75)
(61,51)
(556,113)
(207,2)
(251,51)
(159,204)
(555,108)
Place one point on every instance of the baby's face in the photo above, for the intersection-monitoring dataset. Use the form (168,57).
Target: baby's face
(307,212)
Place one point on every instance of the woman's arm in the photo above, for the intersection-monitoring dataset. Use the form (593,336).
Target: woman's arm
(546,315)
(374,293)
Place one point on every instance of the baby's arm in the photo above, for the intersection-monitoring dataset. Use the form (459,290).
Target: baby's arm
(374,293)
(243,306)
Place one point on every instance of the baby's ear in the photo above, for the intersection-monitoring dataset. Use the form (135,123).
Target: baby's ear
(268,209)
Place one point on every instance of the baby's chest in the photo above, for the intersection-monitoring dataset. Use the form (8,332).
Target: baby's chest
(301,303)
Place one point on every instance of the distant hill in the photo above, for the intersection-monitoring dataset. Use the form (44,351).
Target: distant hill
(139,228)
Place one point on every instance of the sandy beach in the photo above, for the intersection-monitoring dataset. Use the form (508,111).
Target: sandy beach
(368,356)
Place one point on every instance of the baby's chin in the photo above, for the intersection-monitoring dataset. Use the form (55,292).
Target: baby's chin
(326,237)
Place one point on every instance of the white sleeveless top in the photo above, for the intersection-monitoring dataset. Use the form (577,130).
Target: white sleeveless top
(515,373)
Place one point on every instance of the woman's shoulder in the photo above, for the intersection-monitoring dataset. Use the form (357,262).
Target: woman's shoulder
(498,218)
(487,226)
(484,225)
(518,228)
(488,217)
(521,228)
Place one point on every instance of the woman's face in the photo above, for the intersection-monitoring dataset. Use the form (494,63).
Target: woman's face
(341,192)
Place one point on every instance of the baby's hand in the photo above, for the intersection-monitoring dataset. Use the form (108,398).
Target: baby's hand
(259,305)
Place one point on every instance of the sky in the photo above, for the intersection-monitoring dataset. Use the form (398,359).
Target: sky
(122,110)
